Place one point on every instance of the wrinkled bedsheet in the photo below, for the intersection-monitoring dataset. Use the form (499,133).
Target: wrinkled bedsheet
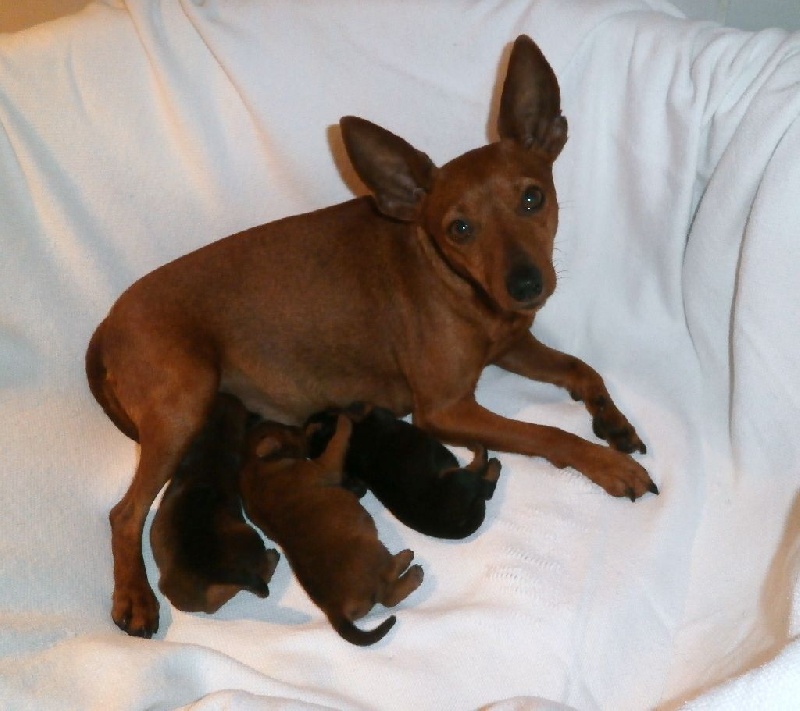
(140,129)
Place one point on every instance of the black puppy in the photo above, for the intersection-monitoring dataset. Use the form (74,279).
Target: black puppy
(410,472)
(204,549)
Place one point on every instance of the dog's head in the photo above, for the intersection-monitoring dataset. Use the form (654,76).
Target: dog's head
(491,213)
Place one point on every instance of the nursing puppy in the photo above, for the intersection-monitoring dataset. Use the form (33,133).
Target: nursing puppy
(204,549)
(328,538)
(410,472)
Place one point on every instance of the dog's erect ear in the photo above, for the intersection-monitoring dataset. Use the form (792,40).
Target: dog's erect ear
(530,105)
(397,173)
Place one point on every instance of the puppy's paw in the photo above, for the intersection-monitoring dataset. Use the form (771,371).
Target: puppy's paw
(259,588)
(402,560)
(415,576)
(490,477)
(354,485)
(269,563)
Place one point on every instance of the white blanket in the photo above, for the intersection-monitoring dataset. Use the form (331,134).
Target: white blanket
(141,129)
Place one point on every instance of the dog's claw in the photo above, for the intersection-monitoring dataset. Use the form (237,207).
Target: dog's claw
(618,473)
(620,435)
(142,632)
(653,489)
(135,612)
(122,623)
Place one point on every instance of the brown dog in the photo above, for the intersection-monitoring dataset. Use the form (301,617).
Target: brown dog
(400,301)
(327,536)
(204,549)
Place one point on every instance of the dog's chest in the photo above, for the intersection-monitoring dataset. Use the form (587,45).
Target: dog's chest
(505,333)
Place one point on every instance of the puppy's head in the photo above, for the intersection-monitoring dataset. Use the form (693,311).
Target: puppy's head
(207,589)
(492,212)
(273,440)
(319,430)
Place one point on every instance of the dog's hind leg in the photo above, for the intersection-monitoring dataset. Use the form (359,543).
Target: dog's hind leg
(164,439)
(96,375)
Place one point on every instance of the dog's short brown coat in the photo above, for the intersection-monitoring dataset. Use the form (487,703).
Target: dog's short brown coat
(400,301)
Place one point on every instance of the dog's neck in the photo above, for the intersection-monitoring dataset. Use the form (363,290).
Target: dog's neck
(466,298)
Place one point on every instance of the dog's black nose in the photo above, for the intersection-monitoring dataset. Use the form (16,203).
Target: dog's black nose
(524,283)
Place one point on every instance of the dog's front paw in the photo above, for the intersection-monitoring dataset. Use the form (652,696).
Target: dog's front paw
(610,424)
(619,474)
(135,610)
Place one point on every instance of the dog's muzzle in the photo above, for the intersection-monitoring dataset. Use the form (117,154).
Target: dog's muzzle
(524,283)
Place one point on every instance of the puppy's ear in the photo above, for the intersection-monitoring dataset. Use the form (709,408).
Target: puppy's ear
(358,411)
(313,429)
(267,447)
(530,105)
(397,173)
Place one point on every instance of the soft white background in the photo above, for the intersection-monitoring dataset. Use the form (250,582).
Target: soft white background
(746,14)
(143,128)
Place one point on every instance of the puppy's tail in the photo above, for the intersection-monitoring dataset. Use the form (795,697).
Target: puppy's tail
(488,469)
(363,638)
(96,375)
(480,458)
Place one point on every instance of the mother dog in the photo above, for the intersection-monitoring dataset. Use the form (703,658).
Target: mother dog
(400,300)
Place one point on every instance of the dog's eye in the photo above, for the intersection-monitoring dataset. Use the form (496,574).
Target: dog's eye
(460,230)
(532,199)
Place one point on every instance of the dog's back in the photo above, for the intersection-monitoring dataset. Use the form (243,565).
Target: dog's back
(315,275)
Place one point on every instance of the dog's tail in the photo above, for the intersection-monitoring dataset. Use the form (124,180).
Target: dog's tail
(96,375)
(363,638)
